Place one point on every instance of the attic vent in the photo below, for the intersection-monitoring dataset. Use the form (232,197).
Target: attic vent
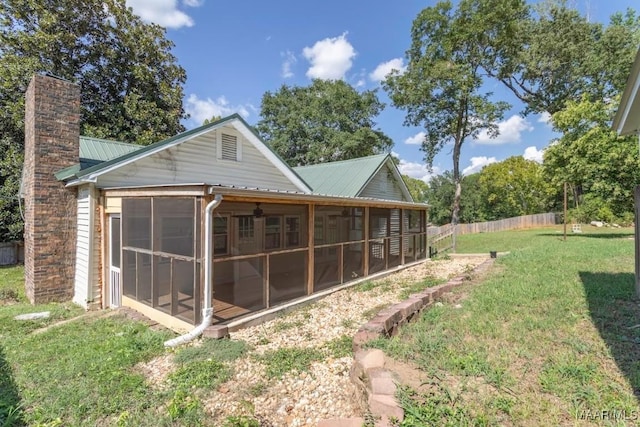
(229,144)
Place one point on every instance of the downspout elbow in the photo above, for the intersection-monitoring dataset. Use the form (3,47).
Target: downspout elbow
(207,310)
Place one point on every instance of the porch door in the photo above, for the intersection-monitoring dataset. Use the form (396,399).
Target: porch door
(248,234)
(248,239)
(115,246)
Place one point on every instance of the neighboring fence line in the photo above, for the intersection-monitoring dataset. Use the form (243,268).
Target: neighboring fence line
(526,221)
(11,253)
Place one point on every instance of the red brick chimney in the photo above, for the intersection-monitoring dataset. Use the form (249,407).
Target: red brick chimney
(51,143)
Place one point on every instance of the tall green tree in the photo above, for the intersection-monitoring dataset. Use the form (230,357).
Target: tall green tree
(441,89)
(131,84)
(326,121)
(473,205)
(555,54)
(440,195)
(514,187)
(591,157)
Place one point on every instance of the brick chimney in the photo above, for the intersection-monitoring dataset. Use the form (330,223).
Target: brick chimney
(52,138)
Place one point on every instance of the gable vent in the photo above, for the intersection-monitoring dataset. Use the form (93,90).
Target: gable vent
(229,147)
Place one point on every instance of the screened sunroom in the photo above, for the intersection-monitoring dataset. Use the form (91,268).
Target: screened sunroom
(265,251)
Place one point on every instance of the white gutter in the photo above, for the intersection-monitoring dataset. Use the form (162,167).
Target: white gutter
(207,310)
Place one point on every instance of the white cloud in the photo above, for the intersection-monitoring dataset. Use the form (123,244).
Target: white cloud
(289,61)
(477,163)
(164,12)
(415,139)
(360,83)
(330,58)
(510,131)
(383,69)
(202,109)
(418,170)
(532,153)
(545,118)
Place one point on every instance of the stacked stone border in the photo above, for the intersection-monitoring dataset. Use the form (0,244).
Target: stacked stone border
(376,385)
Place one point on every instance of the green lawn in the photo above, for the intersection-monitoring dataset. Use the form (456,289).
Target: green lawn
(548,337)
(83,372)
(551,337)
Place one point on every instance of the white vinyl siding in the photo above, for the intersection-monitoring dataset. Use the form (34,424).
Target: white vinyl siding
(87,249)
(197,161)
(383,186)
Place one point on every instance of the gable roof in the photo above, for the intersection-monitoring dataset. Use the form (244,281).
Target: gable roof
(627,118)
(347,178)
(77,174)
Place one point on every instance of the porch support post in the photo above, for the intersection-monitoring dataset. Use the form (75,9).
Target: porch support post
(311,246)
(105,259)
(402,211)
(365,230)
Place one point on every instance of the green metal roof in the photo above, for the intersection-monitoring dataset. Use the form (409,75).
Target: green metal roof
(342,178)
(102,149)
(94,151)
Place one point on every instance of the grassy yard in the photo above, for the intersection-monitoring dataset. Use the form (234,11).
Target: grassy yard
(551,337)
(84,372)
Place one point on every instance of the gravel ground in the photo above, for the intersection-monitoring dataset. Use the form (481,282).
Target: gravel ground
(324,391)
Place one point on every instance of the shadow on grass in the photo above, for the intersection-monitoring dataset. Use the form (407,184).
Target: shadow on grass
(10,409)
(615,312)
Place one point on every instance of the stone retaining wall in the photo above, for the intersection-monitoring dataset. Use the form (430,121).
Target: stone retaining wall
(377,385)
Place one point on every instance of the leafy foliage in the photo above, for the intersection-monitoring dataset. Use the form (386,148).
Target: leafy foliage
(326,121)
(514,187)
(417,188)
(500,190)
(131,85)
(440,196)
(441,89)
(555,54)
(591,157)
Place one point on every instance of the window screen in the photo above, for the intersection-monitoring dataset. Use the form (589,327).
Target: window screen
(136,223)
(174,225)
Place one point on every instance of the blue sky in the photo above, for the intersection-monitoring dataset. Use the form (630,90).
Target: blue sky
(234,52)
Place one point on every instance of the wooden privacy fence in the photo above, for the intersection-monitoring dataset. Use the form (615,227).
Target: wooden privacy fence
(435,234)
(11,253)
(526,221)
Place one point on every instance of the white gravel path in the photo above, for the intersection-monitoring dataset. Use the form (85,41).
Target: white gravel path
(325,391)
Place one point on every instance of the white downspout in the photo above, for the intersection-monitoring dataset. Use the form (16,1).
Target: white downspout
(207,309)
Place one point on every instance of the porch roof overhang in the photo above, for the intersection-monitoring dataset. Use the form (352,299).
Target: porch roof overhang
(627,118)
(257,195)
